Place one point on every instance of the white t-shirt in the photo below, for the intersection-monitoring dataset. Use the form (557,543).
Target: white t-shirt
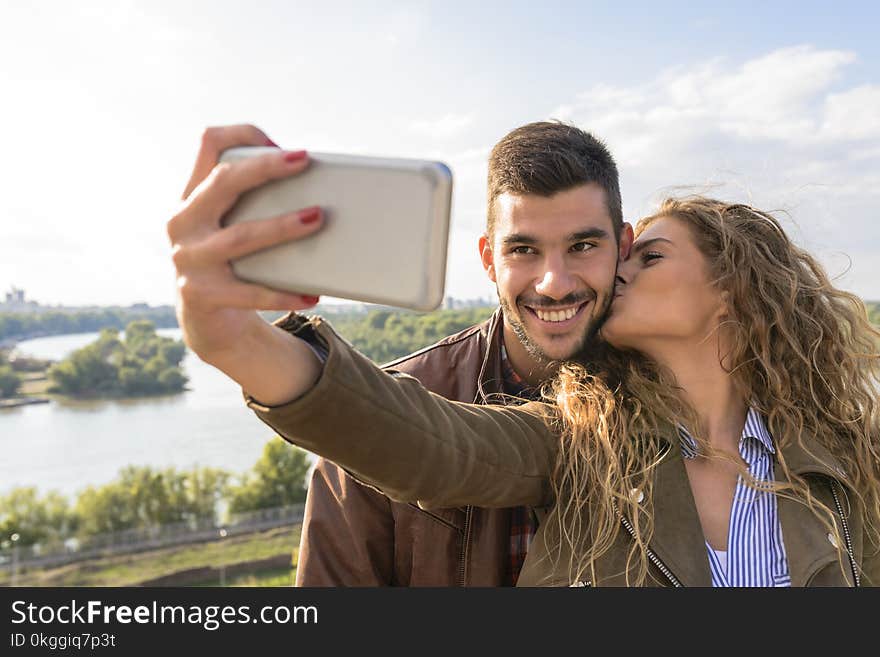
(722,558)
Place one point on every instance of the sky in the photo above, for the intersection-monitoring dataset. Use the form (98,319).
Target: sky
(103,103)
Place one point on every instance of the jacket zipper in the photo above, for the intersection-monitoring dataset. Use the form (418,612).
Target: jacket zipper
(846,536)
(651,555)
(462,559)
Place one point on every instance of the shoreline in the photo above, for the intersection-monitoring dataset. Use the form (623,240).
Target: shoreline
(15,402)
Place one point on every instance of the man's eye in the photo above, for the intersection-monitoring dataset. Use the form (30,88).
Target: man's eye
(583,247)
(522,250)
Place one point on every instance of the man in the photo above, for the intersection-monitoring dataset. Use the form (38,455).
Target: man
(553,237)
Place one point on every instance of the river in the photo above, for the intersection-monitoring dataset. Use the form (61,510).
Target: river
(68,445)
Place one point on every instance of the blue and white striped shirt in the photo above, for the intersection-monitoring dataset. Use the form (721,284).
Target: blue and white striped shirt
(755,553)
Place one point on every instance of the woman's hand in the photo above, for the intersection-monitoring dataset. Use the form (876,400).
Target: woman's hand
(215,309)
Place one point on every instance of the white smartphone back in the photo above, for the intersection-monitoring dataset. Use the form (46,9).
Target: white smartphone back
(385,233)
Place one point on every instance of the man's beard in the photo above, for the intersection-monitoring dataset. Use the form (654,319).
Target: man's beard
(589,337)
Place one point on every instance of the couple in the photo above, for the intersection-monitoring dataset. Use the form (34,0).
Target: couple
(728,435)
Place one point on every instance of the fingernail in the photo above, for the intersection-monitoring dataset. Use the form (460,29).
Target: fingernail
(310,216)
(294,156)
(311,300)
(269,142)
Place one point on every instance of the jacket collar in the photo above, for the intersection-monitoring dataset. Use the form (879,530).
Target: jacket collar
(754,428)
(805,455)
(678,538)
(490,381)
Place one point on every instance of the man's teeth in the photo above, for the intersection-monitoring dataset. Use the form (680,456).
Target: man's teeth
(556,315)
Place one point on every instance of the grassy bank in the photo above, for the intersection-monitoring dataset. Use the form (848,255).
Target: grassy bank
(132,569)
(35,384)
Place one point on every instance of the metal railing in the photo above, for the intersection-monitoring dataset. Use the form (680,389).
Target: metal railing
(15,558)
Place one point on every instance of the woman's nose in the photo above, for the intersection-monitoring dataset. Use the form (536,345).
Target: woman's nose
(626,270)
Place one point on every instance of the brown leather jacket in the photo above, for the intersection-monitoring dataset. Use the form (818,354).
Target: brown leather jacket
(353,535)
(419,447)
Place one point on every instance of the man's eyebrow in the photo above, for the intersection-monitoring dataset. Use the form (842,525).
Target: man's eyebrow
(518,238)
(639,246)
(588,234)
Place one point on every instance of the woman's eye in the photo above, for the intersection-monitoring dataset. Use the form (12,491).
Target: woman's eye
(648,256)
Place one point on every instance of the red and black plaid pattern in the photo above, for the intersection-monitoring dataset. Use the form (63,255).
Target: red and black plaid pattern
(522,520)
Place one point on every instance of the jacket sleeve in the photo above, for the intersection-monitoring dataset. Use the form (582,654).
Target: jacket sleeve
(347,533)
(389,431)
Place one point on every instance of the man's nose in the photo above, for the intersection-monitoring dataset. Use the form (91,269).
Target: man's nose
(557,282)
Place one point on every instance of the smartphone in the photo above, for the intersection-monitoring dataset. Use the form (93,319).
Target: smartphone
(385,233)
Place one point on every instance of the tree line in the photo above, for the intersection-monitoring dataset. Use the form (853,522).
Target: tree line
(21,326)
(146,497)
(383,335)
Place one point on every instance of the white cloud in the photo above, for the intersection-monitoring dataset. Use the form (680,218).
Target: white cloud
(776,96)
(853,114)
(779,130)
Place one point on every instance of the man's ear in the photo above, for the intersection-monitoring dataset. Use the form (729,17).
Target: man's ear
(626,241)
(487,257)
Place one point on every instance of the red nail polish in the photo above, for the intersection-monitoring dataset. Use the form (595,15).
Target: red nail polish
(311,300)
(294,156)
(269,142)
(310,216)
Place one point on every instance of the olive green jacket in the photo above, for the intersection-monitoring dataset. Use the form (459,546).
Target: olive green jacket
(415,446)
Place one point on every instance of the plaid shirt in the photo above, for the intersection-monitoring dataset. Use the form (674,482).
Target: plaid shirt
(523,523)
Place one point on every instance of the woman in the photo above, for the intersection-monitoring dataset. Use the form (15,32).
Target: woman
(639,462)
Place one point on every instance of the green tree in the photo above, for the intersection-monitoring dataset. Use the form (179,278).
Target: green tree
(90,371)
(171,351)
(205,489)
(35,519)
(377,319)
(171,378)
(140,339)
(143,364)
(142,496)
(10,382)
(277,479)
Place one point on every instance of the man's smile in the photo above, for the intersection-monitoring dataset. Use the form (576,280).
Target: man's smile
(558,317)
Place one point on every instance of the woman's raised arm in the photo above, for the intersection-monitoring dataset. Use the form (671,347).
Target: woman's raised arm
(414,445)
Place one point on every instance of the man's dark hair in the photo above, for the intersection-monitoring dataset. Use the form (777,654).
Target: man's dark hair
(547,157)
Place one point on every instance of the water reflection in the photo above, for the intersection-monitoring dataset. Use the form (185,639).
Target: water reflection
(68,444)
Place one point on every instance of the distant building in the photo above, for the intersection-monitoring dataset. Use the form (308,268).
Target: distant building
(16,302)
(451,303)
(15,296)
